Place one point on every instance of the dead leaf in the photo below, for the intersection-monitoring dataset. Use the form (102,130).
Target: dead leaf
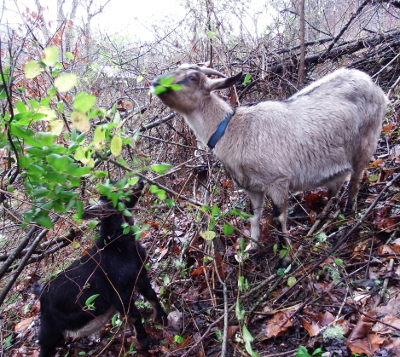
(363,346)
(23,324)
(388,319)
(325,319)
(392,305)
(361,329)
(232,331)
(278,325)
(312,328)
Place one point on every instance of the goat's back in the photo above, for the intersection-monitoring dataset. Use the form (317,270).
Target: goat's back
(329,127)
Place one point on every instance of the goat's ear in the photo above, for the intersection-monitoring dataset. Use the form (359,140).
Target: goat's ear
(215,84)
(134,197)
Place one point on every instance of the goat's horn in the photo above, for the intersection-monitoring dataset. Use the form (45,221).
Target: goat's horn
(210,71)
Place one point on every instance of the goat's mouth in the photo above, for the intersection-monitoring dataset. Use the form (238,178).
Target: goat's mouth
(164,84)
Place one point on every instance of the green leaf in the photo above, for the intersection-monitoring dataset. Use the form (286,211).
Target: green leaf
(339,261)
(243,283)
(41,192)
(248,339)
(239,311)
(161,168)
(228,229)
(79,208)
(159,192)
(69,55)
(47,139)
(44,220)
(33,103)
(116,145)
(80,121)
(99,137)
(302,352)
(178,339)
(84,103)
(56,127)
(50,55)
(32,69)
(208,235)
(66,81)
(21,107)
(59,162)
(246,79)
(91,299)
(291,281)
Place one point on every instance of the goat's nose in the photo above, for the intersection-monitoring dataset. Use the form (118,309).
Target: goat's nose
(154,82)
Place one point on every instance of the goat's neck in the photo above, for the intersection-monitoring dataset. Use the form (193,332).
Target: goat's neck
(204,120)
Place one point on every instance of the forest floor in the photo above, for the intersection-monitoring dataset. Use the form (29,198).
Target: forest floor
(340,297)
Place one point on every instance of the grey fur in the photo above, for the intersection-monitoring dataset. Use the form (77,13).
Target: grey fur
(317,137)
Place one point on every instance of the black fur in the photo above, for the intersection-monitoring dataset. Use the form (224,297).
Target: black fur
(113,268)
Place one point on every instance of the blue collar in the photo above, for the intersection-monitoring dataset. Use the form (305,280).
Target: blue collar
(220,131)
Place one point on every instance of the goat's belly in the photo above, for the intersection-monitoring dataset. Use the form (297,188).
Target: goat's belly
(93,326)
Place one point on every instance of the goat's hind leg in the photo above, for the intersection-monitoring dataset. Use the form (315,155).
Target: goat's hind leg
(354,186)
(50,337)
(145,289)
(136,320)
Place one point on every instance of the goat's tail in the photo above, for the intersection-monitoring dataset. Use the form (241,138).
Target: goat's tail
(37,289)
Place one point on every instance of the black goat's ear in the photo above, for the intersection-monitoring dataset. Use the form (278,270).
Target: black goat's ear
(135,195)
(93,212)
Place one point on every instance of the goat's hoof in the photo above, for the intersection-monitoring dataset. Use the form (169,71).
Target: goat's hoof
(163,319)
(145,343)
(252,247)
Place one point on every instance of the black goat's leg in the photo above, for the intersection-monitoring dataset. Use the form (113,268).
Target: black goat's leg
(145,289)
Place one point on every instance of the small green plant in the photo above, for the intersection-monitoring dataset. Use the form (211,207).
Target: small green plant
(247,79)
(178,339)
(302,352)
(7,342)
(131,350)
(89,302)
(116,321)
(218,333)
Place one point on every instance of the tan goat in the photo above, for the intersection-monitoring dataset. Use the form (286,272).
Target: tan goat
(317,137)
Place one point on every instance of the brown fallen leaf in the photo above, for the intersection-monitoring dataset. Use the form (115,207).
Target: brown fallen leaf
(325,319)
(312,328)
(363,346)
(392,305)
(23,324)
(278,325)
(361,329)
(390,319)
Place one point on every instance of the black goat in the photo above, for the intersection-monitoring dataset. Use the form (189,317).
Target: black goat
(113,268)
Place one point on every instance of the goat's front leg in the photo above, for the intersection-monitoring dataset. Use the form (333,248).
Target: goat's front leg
(144,288)
(257,203)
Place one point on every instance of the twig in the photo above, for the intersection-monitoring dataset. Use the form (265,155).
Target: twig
(340,242)
(172,192)
(226,314)
(345,27)
(22,264)
(17,251)
(384,286)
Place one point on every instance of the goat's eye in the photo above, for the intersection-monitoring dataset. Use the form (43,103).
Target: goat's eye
(192,78)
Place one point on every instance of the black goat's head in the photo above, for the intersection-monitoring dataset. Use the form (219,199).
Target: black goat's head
(107,206)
